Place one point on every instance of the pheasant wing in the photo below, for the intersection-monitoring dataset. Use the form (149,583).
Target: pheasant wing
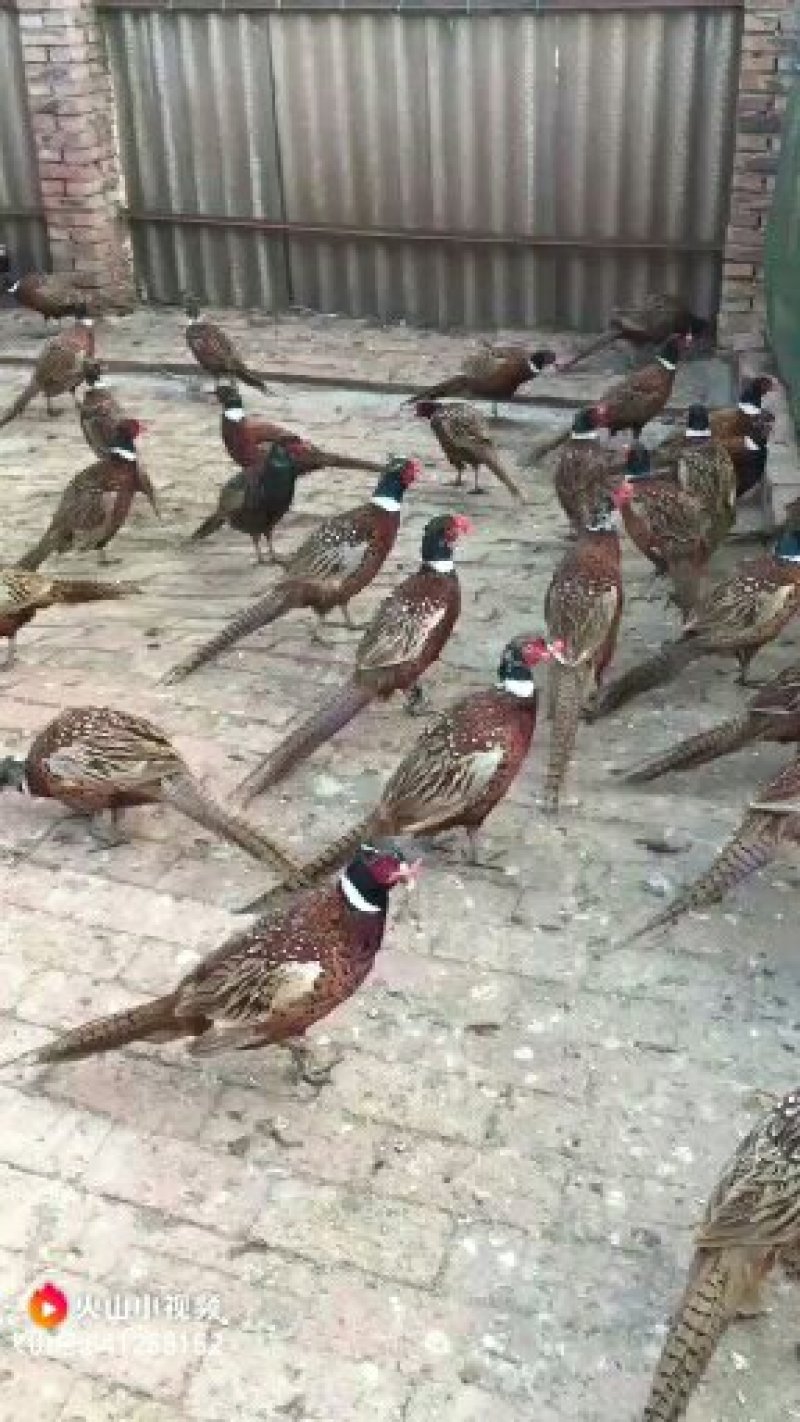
(131,757)
(437,781)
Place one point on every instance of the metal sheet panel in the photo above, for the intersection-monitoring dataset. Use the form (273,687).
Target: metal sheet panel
(198,136)
(20,197)
(604,137)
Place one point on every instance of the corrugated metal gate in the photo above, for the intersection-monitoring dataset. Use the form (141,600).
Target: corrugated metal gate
(21,223)
(504,167)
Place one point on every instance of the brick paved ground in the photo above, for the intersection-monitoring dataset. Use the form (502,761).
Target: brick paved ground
(486,1214)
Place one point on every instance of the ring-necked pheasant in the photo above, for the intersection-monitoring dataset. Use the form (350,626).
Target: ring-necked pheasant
(255,500)
(96,760)
(751,1225)
(739,615)
(23,594)
(96,503)
(459,770)
(705,471)
(248,437)
(583,607)
(338,560)
(586,470)
(648,323)
(730,423)
(464,439)
(668,526)
(630,403)
(59,367)
(100,411)
(215,352)
(47,293)
(773,715)
(491,374)
(267,985)
(772,821)
(405,636)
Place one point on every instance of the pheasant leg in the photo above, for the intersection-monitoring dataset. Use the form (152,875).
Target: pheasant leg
(304,1068)
(11,651)
(108,831)
(417,702)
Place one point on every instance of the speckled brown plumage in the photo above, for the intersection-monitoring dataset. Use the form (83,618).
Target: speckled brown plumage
(336,562)
(404,638)
(96,759)
(58,370)
(772,821)
(648,322)
(96,503)
(101,414)
(586,470)
(773,715)
(669,527)
(268,984)
(493,373)
(49,293)
(751,1224)
(583,607)
(740,614)
(461,767)
(215,352)
(730,425)
(465,441)
(23,594)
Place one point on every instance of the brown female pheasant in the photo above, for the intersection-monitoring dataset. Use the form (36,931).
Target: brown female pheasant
(772,715)
(267,985)
(460,768)
(464,439)
(248,437)
(751,1225)
(96,503)
(59,368)
(23,594)
(739,615)
(338,560)
(669,527)
(406,636)
(652,321)
(215,352)
(97,760)
(586,470)
(583,607)
(47,293)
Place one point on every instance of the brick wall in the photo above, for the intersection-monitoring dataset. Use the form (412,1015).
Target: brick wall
(769,50)
(72,112)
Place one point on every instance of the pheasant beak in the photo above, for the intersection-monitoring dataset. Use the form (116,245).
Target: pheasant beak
(558,651)
(408,873)
(412,472)
(462,525)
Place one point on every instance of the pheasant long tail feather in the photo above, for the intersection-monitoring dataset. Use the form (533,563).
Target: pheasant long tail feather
(347,461)
(607,339)
(453,386)
(567,695)
(88,590)
(39,553)
(654,671)
(274,605)
(696,750)
(184,794)
(105,1034)
(207,527)
(29,393)
(333,857)
(754,845)
(695,1331)
(252,378)
(499,470)
(324,724)
(546,446)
